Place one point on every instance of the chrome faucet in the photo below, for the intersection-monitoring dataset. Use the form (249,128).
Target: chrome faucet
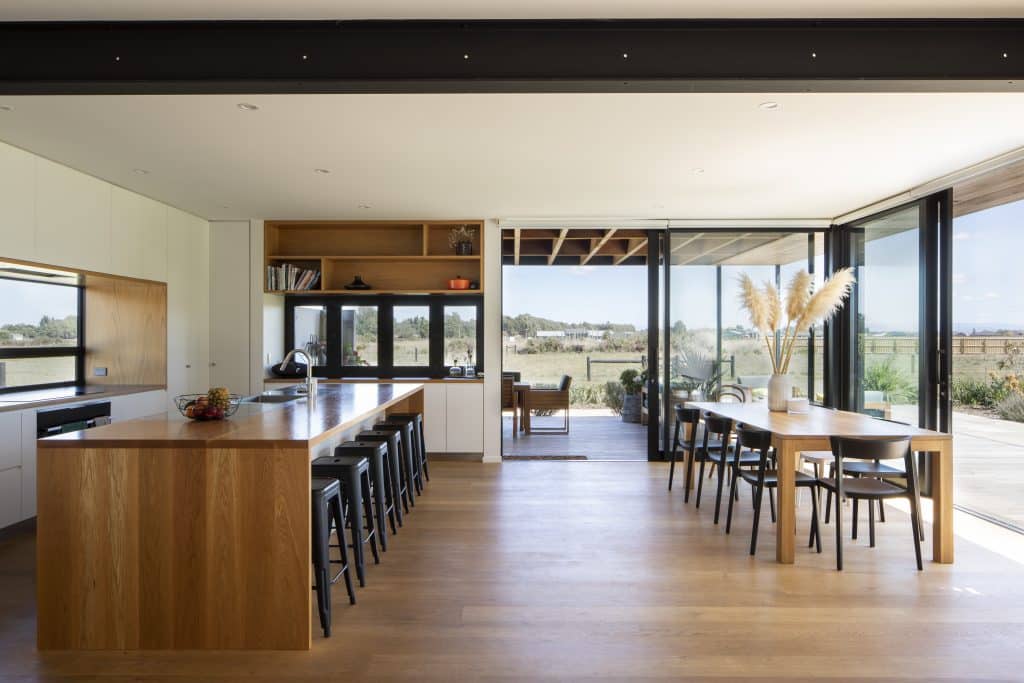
(310,379)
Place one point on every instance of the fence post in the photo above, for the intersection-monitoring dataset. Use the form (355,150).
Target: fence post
(588,368)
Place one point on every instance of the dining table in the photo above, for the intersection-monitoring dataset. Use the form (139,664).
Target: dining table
(794,432)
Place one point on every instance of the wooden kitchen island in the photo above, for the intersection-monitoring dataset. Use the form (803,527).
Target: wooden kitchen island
(162,533)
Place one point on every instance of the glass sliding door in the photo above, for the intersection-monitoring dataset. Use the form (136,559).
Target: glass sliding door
(886,304)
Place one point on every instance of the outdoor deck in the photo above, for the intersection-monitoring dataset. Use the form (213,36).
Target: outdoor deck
(594,434)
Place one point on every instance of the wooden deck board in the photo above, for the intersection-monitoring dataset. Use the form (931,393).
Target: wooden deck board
(593,437)
(563,570)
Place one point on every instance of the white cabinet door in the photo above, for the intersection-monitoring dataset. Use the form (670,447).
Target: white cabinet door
(10,440)
(10,496)
(72,218)
(188,281)
(465,417)
(435,411)
(229,305)
(135,406)
(28,463)
(138,236)
(17,204)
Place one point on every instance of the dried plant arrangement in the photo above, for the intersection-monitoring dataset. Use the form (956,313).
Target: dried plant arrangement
(803,308)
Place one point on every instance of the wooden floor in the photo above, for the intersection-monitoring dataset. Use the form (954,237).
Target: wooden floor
(592,436)
(575,570)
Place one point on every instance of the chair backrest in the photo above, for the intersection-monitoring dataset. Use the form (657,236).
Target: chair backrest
(565,383)
(687,416)
(506,391)
(731,391)
(719,426)
(853,448)
(755,440)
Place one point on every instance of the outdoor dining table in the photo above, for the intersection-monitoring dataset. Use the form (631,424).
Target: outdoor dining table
(810,431)
(521,402)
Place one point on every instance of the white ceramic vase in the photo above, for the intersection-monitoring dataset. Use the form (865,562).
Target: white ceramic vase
(780,390)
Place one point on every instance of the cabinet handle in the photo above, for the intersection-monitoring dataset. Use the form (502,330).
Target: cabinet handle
(213,365)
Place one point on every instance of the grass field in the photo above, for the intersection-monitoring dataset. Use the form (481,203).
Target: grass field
(22,371)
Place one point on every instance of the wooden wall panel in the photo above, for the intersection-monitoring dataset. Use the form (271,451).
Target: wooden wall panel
(125,330)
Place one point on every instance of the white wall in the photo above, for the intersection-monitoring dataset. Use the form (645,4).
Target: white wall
(53,215)
(492,342)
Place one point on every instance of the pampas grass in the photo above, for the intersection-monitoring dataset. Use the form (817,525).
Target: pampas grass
(803,309)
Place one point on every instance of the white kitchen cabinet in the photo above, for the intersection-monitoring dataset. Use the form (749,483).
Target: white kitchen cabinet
(28,463)
(72,218)
(435,410)
(188,285)
(10,496)
(10,440)
(464,417)
(229,305)
(17,203)
(138,236)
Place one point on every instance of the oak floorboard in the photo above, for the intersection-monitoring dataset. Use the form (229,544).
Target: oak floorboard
(574,570)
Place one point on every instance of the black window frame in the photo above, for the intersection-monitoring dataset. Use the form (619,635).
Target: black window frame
(385,304)
(77,351)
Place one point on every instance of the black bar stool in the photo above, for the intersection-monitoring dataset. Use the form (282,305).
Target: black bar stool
(398,489)
(354,474)
(380,477)
(410,448)
(417,419)
(327,511)
(405,476)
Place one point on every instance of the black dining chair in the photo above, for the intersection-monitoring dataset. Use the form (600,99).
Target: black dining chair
(848,450)
(685,418)
(765,476)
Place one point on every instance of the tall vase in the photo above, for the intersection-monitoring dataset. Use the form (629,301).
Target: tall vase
(780,390)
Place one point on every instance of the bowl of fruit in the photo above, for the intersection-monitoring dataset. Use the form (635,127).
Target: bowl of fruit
(216,404)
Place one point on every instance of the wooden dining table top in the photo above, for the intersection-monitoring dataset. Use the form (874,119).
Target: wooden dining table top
(815,423)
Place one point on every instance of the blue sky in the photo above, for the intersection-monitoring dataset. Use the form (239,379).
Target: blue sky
(988,255)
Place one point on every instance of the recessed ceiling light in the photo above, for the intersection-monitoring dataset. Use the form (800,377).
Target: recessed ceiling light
(245,106)
(140,171)
(6,107)
(769,106)
(322,171)
(698,171)
(365,206)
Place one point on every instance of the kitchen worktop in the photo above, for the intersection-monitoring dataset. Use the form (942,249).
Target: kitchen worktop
(378,380)
(31,398)
(337,407)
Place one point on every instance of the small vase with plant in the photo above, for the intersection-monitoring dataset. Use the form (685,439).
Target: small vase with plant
(460,238)
(632,382)
(804,308)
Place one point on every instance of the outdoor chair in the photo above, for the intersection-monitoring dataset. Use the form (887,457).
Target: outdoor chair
(551,400)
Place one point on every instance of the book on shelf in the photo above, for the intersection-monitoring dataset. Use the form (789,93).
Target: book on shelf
(289,278)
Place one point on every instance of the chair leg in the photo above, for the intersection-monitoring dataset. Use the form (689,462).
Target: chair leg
(732,484)
(871,524)
(853,525)
(354,504)
(771,503)
(339,529)
(721,483)
(915,522)
(700,482)
(881,511)
(815,527)
(368,517)
(828,496)
(839,533)
(689,475)
(758,495)
(672,467)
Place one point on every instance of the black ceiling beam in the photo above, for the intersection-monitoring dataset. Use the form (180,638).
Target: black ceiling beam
(510,56)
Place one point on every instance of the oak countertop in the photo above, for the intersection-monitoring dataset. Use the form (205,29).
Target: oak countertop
(38,398)
(337,407)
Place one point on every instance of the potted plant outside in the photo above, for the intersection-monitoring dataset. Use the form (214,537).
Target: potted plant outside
(632,382)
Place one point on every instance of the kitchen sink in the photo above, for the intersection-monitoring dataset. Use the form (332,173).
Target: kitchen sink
(273,398)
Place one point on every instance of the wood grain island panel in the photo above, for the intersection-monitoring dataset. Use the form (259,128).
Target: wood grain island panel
(166,534)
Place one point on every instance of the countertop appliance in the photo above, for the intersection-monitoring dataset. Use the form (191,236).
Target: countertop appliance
(64,420)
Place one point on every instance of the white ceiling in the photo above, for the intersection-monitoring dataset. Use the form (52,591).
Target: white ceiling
(43,10)
(502,155)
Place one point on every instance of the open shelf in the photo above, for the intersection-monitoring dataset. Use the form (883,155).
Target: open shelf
(393,257)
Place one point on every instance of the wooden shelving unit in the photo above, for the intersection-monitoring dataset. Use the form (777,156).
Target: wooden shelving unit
(393,257)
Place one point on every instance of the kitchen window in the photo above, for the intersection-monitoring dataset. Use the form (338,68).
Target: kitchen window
(41,327)
(386,335)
